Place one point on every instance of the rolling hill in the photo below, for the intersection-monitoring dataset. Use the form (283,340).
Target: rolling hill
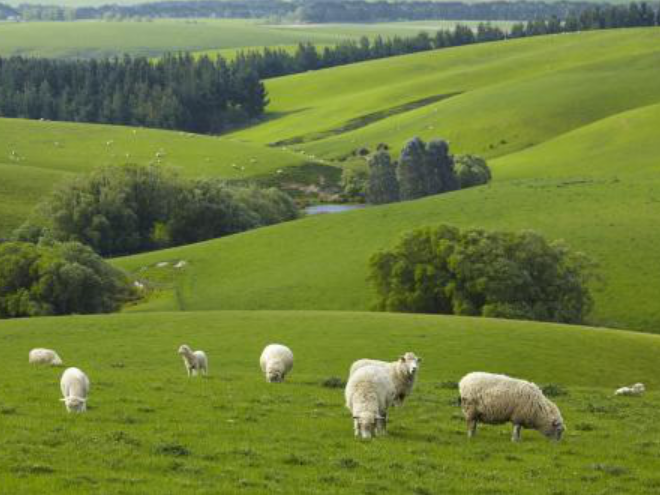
(150,429)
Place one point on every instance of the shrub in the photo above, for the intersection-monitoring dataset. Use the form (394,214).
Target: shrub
(471,171)
(354,184)
(479,273)
(68,278)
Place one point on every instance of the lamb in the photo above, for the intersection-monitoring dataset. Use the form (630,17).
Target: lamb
(75,388)
(369,394)
(276,362)
(402,371)
(498,399)
(195,362)
(636,389)
(44,356)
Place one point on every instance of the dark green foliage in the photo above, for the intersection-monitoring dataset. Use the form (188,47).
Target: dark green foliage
(67,278)
(440,168)
(471,171)
(131,208)
(479,273)
(425,170)
(354,184)
(383,186)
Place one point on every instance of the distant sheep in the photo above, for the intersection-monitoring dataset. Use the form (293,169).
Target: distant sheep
(276,362)
(636,389)
(44,356)
(403,373)
(498,399)
(369,394)
(75,389)
(195,362)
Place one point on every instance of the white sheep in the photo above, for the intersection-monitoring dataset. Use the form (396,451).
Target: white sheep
(369,394)
(75,389)
(636,389)
(276,362)
(195,362)
(403,373)
(498,399)
(44,356)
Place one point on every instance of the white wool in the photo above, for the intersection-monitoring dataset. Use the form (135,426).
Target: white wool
(195,362)
(497,399)
(276,362)
(75,389)
(44,356)
(403,373)
(636,389)
(369,394)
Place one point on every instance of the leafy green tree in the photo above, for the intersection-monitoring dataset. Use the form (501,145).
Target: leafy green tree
(58,279)
(440,175)
(383,186)
(354,183)
(479,273)
(412,170)
(471,170)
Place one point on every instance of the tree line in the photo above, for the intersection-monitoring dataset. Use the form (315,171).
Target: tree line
(176,92)
(321,11)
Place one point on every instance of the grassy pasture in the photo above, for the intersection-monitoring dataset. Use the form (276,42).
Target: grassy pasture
(150,429)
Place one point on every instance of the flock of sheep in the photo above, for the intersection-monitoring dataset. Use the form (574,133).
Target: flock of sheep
(375,386)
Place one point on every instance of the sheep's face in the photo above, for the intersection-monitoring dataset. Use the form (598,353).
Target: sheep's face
(184,349)
(364,425)
(75,404)
(638,388)
(57,362)
(555,429)
(274,376)
(411,363)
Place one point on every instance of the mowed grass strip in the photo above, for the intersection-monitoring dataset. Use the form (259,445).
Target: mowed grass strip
(150,429)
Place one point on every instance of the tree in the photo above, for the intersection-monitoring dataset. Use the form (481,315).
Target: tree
(383,186)
(440,175)
(411,171)
(354,184)
(58,279)
(479,273)
(471,171)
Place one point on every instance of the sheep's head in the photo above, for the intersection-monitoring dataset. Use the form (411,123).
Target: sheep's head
(554,428)
(274,376)
(639,388)
(411,363)
(366,424)
(57,361)
(185,350)
(75,404)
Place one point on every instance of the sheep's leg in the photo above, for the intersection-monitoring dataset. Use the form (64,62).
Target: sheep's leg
(381,425)
(516,433)
(472,427)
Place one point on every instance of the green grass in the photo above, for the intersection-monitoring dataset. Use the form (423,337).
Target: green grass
(150,429)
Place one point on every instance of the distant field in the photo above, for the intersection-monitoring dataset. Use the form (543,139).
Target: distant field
(89,39)
(151,430)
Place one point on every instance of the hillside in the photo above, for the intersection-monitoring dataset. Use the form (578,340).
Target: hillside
(149,429)
(591,179)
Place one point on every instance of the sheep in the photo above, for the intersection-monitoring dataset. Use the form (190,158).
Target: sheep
(75,388)
(195,362)
(636,389)
(498,399)
(44,356)
(276,362)
(403,372)
(369,393)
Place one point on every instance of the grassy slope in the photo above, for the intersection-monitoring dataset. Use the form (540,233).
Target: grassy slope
(45,152)
(151,430)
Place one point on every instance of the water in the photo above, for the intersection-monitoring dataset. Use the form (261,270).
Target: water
(328,208)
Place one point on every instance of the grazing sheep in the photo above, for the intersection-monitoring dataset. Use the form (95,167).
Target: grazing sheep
(44,356)
(276,362)
(75,388)
(498,399)
(636,389)
(403,373)
(195,362)
(369,394)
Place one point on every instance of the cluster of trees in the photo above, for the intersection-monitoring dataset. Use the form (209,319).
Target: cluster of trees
(57,279)
(321,11)
(478,273)
(175,92)
(126,209)
(422,170)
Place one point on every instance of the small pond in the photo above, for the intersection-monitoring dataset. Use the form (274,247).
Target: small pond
(330,208)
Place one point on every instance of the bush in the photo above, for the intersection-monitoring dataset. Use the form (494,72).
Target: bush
(354,184)
(477,273)
(127,209)
(471,171)
(68,278)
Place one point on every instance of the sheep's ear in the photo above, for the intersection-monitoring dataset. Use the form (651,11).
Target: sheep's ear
(402,359)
